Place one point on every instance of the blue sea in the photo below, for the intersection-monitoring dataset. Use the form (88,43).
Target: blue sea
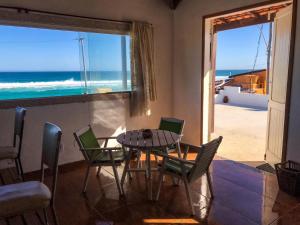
(22,85)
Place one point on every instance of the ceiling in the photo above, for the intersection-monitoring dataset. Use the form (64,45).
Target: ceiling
(172,3)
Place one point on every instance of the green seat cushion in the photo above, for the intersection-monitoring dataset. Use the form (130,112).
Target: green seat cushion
(104,157)
(172,126)
(175,167)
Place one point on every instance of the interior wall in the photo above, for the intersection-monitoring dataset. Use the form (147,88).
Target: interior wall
(187,62)
(293,151)
(107,117)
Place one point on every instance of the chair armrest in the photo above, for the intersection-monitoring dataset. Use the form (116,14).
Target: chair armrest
(104,138)
(176,159)
(102,149)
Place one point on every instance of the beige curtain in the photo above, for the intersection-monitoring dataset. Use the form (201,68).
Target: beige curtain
(142,68)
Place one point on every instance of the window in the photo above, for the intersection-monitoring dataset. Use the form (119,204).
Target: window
(38,63)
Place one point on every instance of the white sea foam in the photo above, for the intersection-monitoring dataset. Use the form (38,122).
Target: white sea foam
(58,84)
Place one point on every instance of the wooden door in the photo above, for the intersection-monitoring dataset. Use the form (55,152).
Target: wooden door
(208,81)
(278,84)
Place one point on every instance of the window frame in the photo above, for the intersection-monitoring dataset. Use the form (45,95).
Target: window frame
(43,20)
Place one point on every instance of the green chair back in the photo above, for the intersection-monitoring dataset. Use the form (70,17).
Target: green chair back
(204,158)
(86,139)
(171,124)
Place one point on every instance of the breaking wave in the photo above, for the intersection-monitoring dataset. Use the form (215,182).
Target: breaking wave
(59,84)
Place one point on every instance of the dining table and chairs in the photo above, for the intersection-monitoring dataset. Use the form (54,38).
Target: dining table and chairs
(158,143)
(19,198)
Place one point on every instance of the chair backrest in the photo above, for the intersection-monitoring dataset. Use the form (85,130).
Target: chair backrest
(171,124)
(50,152)
(19,127)
(204,158)
(85,139)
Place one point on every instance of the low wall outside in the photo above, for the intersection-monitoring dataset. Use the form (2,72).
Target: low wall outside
(236,97)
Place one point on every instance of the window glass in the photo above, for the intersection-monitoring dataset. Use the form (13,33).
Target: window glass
(37,63)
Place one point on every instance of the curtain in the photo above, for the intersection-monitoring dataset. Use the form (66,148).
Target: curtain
(142,68)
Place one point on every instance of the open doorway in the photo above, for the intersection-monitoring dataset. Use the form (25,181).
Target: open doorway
(249,105)
(241,93)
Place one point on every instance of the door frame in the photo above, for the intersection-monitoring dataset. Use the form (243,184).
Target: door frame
(290,70)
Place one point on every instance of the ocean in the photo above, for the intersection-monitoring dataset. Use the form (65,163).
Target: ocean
(22,85)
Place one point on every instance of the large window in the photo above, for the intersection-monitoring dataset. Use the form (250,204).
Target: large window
(37,63)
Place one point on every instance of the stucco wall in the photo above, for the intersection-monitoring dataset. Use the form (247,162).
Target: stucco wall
(108,117)
(239,98)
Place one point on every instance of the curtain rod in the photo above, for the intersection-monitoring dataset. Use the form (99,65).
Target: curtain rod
(27,10)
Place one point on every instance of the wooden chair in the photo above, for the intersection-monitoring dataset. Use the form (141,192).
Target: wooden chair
(189,171)
(20,198)
(14,152)
(97,156)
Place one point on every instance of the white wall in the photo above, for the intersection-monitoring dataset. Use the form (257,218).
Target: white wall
(293,150)
(236,97)
(108,117)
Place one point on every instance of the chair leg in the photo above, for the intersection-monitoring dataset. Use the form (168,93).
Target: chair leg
(188,194)
(156,159)
(210,184)
(161,177)
(2,179)
(139,162)
(98,171)
(42,221)
(21,169)
(126,168)
(178,150)
(17,167)
(24,220)
(55,220)
(45,216)
(120,189)
(7,222)
(86,179)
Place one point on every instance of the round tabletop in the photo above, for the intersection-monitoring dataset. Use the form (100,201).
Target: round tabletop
(159,139)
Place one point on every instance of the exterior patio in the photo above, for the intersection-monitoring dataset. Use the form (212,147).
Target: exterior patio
(244,132)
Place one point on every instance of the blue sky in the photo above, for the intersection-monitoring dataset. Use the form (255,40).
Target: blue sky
(32,49)
(236,48)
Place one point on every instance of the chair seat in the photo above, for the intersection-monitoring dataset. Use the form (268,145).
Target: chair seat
(171,148)
(104,157)
(16,199)
(175,167)
(8,152)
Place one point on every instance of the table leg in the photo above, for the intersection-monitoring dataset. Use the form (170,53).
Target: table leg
(148,174)
(126,167)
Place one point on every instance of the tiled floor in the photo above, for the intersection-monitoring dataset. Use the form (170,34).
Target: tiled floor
(243,196)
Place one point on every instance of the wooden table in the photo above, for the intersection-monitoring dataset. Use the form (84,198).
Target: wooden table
(134,140)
